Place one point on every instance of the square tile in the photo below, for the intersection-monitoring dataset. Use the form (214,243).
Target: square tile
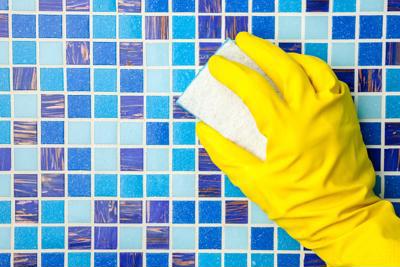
(130,27)
(79,238)
(156,27)
(50,26)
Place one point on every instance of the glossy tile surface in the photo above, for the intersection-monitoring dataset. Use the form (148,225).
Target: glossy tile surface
(100,167)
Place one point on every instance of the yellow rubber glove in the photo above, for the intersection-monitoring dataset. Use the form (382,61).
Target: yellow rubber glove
(317,180)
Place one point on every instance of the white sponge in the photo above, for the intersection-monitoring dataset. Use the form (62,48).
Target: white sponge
(220,108)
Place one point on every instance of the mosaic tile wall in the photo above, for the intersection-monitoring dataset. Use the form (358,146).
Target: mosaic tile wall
(99,167)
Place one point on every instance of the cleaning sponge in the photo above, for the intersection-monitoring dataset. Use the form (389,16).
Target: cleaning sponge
(216,105)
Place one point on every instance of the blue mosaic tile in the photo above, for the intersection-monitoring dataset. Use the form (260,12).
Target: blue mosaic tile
(133,150)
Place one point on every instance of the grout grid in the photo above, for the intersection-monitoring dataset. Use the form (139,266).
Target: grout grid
(283,252)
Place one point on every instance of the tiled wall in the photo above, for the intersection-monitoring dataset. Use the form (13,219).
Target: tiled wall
(99,167)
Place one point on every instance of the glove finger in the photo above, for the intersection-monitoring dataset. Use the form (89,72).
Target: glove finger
(320,74)
(278,65)
(228,156)
(258,95)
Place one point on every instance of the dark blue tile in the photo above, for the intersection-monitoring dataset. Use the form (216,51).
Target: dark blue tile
(78,5)
(130,212)
(131,159)
(25,185)
(157,27)
(205,163)
(393,5)
(183,259)
(78,53)
(392,186)
(370,80)
(105,211)
(183,5)
(25,132)
(78,79)
(209,211)
(50,26)
(392,133)
(4,25)
(371,132)
(50,5)
(312,260)
(209,27)
(374,155)
(5,259)
(52,106)
(236,211)
(371,27)
(53,185)
(52,158)
(5,159)
(262,238)
(347,76)
(263,5)
(105,237)
(23,26)
(291,47)
(131,259)
(396,206)
(392,159)
(79,106)
(210,237)
(131,53)
(52,132)
(234,25)
(131,107)
(79,238)
(26,211)
(317,6)
(25,260)
(157,133)
(393,53)
(77,26)
(209,185)
(157,211)
(370,54)
(205,52)
(210,6)
(264,26)
(24,78)
(343,27)
(79,159)
(129,6)
(183,212)
(157,237)
(79,185)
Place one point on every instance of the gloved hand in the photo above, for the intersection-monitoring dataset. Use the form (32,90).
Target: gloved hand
(317,181)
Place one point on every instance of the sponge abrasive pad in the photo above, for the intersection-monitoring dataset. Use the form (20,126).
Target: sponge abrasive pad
(220,108)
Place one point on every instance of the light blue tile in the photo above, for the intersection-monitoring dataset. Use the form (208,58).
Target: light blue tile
(316,27)
(105,159)
(51,53)
(79,132)
(25,106)
(4,53)
(5,185)
(236,237)
(5,237)
(105,132)
(289,27)
(157,54)
(23,5)
(130,237)
(369,107)
(183,185)
(371,5)
(183,238)
(342,54)
(158,80)
(157,159)
(79,211)
(258,215)
(131,133)
(25,159)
